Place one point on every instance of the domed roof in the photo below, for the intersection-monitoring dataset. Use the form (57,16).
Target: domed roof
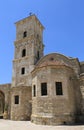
(54,59)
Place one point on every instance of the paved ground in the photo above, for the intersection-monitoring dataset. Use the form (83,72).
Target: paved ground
(25,125)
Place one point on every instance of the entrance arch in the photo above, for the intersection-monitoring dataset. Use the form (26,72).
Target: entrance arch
(2,100)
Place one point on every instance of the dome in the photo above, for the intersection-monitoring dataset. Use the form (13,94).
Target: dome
(54,59)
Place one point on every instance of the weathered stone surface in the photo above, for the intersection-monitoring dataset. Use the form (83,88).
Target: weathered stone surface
(52,108)
(21,111)
(31,70)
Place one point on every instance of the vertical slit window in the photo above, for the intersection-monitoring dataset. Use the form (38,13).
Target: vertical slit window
(38,56)
(34,91)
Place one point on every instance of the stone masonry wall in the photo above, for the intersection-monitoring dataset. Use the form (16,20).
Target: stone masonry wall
(21,111)
(52,108)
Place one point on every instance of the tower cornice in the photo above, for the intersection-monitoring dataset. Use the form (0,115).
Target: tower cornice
(22,21)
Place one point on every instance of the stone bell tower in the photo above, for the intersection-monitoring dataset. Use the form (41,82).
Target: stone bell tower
(28,50)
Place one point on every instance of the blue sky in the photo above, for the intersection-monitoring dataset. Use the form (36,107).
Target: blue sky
(64,28)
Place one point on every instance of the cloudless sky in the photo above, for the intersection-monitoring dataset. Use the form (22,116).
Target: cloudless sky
(64,28)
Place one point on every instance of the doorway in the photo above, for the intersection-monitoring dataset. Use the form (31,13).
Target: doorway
(2,99)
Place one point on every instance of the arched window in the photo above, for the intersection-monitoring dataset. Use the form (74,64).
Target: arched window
(25,34)
(22,70)
(23,52)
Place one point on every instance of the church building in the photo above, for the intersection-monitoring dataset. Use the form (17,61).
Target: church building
(45,89)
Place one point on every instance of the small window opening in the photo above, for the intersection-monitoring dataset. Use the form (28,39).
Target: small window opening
(37,35)
(17,99)
(34,91)
(43,89)
(23,52)
(64,122)
(38,55)
(51,58)
(59,90)
(25,34)
(23,70)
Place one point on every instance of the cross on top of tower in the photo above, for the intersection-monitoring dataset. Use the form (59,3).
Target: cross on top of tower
(30,13)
